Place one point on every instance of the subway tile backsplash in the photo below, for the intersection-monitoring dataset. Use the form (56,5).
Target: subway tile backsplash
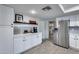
(20,30)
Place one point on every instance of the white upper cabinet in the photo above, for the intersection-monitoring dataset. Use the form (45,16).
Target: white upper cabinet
(6,15)
(74,21)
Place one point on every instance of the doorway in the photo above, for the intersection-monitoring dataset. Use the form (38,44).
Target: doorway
(51,28)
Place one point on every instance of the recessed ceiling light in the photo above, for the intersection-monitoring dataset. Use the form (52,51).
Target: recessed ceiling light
(33,12)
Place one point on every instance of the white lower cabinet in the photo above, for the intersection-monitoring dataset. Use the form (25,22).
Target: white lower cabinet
(25,42)
(18,44)
(34,41)
(77,43)
(74,42)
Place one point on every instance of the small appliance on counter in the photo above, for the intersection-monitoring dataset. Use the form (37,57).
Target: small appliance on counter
(25,31)
(34,30)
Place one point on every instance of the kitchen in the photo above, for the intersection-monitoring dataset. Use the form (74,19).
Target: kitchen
(20,32)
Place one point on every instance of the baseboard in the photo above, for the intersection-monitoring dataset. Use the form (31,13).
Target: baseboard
(61,46)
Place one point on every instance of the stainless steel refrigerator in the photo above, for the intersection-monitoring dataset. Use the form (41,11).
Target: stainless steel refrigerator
(61,36)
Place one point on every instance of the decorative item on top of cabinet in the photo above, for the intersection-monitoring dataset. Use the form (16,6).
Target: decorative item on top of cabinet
(18,18)
(32,21)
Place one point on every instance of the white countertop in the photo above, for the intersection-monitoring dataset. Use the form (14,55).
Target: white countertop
(27,34)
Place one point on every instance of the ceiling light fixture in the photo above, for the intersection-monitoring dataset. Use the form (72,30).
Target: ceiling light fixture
(33,12)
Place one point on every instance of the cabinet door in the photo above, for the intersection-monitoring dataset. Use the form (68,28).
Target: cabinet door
(39,37)
(6,39)
(77,42)
(18,45)
(36,40)
(72,42)
(27,43)
(6,15)
(74,22)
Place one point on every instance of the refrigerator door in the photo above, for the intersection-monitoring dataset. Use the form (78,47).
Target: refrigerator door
(6,40)
(63,39)
(6,15)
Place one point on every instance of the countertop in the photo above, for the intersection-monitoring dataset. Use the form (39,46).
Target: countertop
(27,34)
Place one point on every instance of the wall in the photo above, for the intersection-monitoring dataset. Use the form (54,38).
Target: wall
(46,30)
(27,18)
(71,17)
(42,25)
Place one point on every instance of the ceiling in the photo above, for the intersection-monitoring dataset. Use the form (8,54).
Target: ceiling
(68,6)
(55,11)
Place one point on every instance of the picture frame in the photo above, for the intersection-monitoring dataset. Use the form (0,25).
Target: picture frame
(18,18)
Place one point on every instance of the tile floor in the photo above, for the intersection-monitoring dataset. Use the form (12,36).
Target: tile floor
(48,47)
